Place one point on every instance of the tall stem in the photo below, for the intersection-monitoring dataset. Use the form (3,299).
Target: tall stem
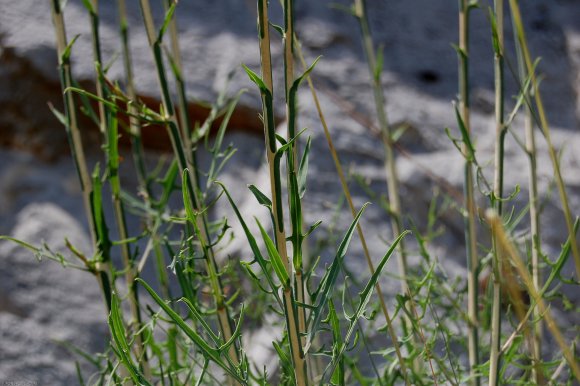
(545,127)
(75,142)
(531,152)
(292,320)
(470,227)
(291,118)
(390,163)
(134,125)
(186,162)
(497,189)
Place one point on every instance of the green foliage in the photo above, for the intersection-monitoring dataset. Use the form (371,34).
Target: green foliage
(191,332)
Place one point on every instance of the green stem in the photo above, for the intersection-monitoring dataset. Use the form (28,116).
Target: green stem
(275,183)
(496,200)
(134,125)
(75,142)
(186,161)
(531,152)
(470,217)
(544,126)
(390,165)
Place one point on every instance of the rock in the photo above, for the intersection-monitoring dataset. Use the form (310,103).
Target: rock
(420,80)
(45,305)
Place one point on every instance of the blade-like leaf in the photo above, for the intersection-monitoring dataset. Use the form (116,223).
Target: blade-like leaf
(321,296)
(303,169)
(364,298)
(123,349)
(206,349)
(263,263)
(277,263)
(261,197)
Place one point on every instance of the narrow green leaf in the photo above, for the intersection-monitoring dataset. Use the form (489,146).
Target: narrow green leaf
(278,29)
(284,361)
(257,80)
(494,32)
(67,51)
(338,377)
(379,64)
(88,6)
(263,263)
(303,169)
(166,21)
(364,298)
(187,197)
(123,349)
(277,263)
(102,230)
(321,296)
(85,93)
(470,156)
(261,197)
(206,349)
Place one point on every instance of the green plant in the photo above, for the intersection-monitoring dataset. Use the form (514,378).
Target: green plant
(191,333)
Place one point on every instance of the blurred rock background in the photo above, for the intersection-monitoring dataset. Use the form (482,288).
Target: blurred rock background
(42,303)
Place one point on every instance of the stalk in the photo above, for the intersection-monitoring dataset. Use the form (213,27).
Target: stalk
(76,146)
(189,178)
(496,199)
(134,125)
(545,127)
(94,18)
(186,128)
(390,163)
(353,211)
(275,185)
(109,130)
(470,227)
(291,115)
(536,349)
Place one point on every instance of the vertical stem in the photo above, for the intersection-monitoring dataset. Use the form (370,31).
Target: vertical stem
(291,117)
(537,375)
(390,164)
(186,163)
(134,125)
(75,142)
(275,186)
(470,229)
(94,16)
(544,126)
(108,128)
(72,129)
(536,344)
(497,191)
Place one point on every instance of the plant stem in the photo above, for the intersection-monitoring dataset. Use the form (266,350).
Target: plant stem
(291,115)
(496,199)
(390,164)
(544,126)
(470,228)
(134,125)
(75,142)
(187,164)
(275,186)
(531,152)
(108,127)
